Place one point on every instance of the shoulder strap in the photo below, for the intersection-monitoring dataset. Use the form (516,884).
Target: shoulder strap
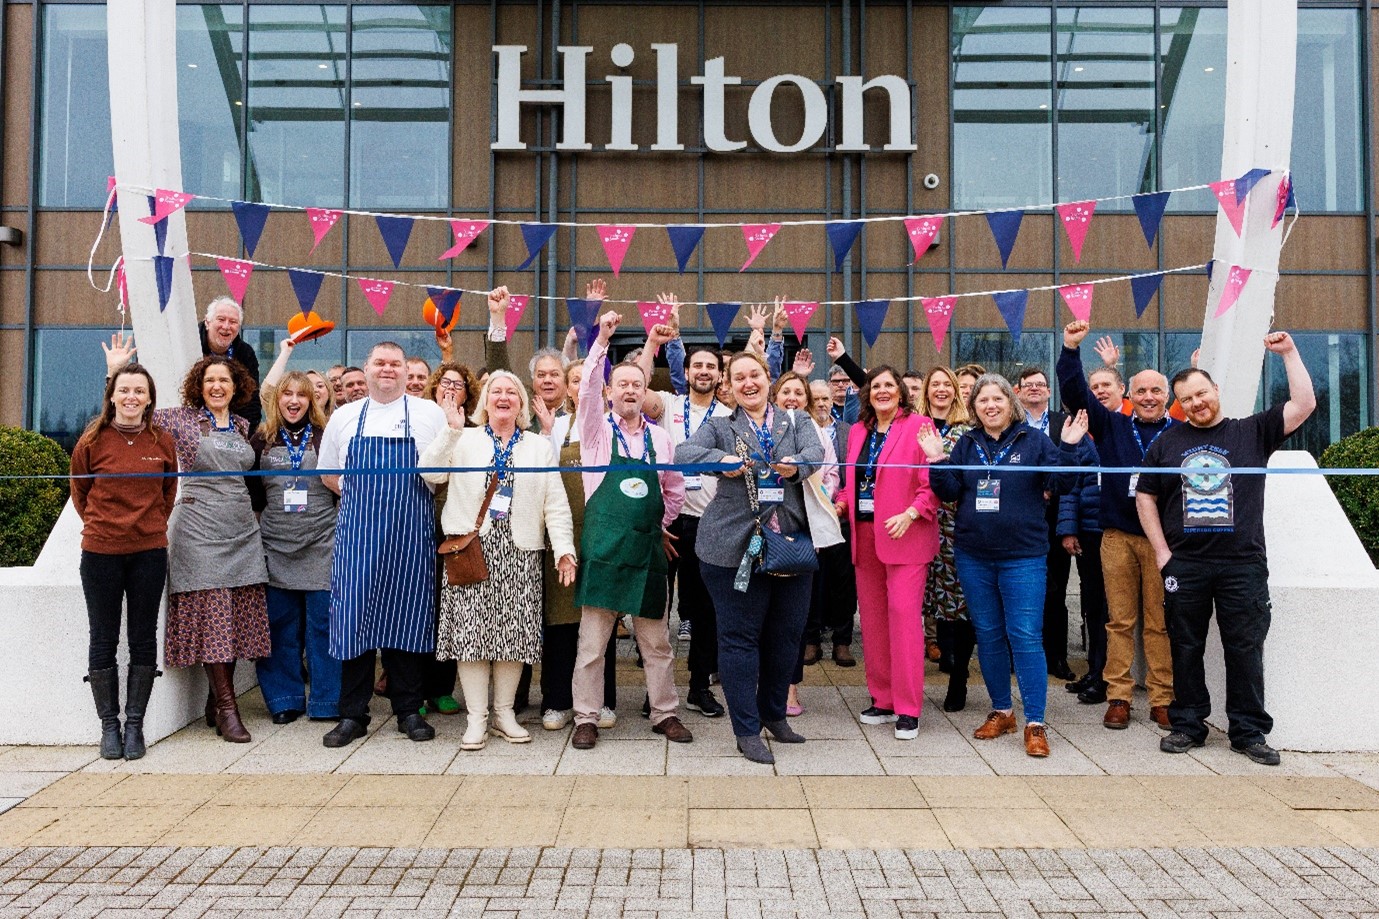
(483,509)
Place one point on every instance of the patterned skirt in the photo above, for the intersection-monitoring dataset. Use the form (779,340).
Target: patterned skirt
(943,597)
(216,626)
(498,619)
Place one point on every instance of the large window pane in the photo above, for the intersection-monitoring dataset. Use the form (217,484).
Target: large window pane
(1337,365)
(210,97)
(998,352)
(399,107)
(415,342)
(1327,156)
(1002,134)
(1192,92)
(74,154)
(69,380)
(1105,103)
(297,102)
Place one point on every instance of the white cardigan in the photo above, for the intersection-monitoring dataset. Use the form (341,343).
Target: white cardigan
(539,504)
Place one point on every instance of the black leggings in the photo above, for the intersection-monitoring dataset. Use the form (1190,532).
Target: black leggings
(109,581)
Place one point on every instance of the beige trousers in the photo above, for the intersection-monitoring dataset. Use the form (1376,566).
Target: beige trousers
(653,638)
(1134,587)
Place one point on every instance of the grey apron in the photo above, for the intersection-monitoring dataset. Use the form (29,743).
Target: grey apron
(213,536)
(298,544)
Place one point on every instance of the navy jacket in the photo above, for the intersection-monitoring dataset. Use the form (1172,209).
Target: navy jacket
(1020,528)
(1079,511)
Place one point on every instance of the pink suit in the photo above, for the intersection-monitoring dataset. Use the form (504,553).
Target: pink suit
(891,572)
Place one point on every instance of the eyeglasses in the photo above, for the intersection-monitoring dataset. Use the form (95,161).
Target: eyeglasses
(450,384)
(1028,385)
(841,381)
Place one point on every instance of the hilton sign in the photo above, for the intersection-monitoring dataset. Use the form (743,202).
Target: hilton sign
(570,98)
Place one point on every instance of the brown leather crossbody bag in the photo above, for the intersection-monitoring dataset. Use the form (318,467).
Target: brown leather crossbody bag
(463,555)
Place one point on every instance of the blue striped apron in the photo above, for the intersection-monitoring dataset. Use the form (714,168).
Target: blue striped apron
(382,575)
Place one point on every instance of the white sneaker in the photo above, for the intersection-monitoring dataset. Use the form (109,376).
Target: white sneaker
(607,718)
(553,719)
(683,633)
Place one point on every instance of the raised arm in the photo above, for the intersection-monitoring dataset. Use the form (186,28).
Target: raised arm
(496,339)
(275,373)
(1072,379)
(593,408)
(1302,401)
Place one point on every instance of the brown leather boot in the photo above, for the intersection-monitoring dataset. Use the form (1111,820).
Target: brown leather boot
(210,695)
(227,723)
(1159,715)
(1117,716)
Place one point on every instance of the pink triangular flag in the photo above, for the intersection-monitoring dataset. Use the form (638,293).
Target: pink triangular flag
(939,312)
(1285,191)
(922,231)
(1079,300)
(757,235)
(615,241)
(517,305)
(377,293)
(654,313)
(466,231)
(321,222)
(165,202)
(799,315)
(1235,282)
(1225,195)
(1077,219)
(236,275)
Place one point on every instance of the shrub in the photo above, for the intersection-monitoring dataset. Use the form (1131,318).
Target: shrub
(29,507)
(1358,494)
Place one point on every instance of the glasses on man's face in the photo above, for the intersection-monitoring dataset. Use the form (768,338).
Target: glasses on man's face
(841,381)
(1029,385)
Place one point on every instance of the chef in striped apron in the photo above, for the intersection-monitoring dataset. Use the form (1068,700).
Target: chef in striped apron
(382,585)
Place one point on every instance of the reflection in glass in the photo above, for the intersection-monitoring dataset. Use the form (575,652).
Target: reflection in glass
(1337,365)
(69,381)
(210,88)
(1192,93)
(1138,351)
(1327,155)
(998,352)
(74,132)
(415,342)
(1002,134)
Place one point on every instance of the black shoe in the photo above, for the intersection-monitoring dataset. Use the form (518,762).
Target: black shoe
(703,702)
(345,733)
(416,728)
(1061,670)
(1093,695)
(1259,752)
(646,707)
(286,717)
(1076,686)
(1178,742)
(956,699)
(906,727)
(874,715)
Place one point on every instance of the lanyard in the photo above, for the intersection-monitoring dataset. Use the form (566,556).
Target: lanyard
(836,412)
(1135,429)
(763,433)
(215,427)
(1043,422)
(713,404)
(976,442)
(502,456)
(875,443)
(646,438)
(295,454)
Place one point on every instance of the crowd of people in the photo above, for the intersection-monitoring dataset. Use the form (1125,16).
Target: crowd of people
(771,510)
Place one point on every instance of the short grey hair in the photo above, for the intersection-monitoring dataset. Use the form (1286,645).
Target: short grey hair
(546,352)
(220,301)
(1017,410)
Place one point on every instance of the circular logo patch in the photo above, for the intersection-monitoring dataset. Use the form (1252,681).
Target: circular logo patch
(633,488)
(1171,584)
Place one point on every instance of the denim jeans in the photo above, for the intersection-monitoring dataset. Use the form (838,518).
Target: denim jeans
(759,635)
(1005,599)
(112,582)
(298,621)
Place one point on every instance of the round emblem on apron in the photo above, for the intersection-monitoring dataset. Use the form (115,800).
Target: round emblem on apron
(633,488)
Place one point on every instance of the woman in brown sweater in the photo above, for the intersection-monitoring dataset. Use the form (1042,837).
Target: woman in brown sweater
(124,548)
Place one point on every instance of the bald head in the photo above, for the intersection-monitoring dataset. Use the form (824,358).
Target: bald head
(1149,395)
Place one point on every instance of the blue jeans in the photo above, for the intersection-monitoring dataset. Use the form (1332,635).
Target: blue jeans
(758,642)
(298,620)
(1005,599)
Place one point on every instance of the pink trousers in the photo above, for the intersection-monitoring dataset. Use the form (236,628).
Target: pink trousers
(890,599)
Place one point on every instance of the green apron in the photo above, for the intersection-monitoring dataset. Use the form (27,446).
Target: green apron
(622,560)
(560,600)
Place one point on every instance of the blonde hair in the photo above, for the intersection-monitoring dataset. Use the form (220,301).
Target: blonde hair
(957,413)
(523,412)
(272,415)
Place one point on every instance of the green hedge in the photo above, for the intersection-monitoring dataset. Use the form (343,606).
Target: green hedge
(29,507)
(1359,495)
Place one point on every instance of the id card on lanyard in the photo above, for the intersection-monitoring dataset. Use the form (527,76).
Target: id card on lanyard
(501,505)
(693,481)
(988,498)
(294,491)
(770,488)
(1144,451)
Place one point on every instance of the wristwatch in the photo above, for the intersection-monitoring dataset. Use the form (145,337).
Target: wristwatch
(912,514)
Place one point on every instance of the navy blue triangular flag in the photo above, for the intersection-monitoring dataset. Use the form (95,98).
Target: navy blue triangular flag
(1290,203)
(841,236)
(1005,226)
(162,272)
(684,239)
(306,285)
(1144,288)
(395,232)
(1150,209)
(584,316)
(1012,305)
(722,316)
(871,315)
(1209,263)
(536,235)
(445,301)
(250,217)
(1248,181)
(160,229)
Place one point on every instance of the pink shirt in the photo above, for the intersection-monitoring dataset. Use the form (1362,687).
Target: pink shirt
(596,437)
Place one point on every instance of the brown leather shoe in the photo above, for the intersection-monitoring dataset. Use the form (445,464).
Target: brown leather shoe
(842,656)
(1036,741)
(995,725)
(675,731)
(1159,715)
(812,654)
(586,736)
(934,651)
(1117,715)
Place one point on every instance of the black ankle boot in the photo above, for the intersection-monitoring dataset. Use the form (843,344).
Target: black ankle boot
(943,633)
(105,690)
(139,686)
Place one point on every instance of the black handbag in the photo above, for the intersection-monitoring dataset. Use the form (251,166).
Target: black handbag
(787,554)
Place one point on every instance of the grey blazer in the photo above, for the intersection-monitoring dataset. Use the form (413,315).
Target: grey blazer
(727,524)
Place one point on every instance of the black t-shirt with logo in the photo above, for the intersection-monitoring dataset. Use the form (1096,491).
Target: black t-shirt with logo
(1207,512)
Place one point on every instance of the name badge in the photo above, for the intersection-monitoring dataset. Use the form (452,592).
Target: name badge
(693,483)
(1134,483)
(866,506)
(294,500)
(501,505)
(770,489)
(988,496)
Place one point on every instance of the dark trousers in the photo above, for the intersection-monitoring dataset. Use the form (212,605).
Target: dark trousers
(833,597)
(439,678)
(560,645)
(759,634)
(1060,566)
(406,670)
(1240,592)
(1093,593)
(109,583)
(696,599)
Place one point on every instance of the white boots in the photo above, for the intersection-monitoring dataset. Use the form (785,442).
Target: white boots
(474,679)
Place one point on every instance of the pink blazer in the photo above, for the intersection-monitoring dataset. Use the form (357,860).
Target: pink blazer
(896,489)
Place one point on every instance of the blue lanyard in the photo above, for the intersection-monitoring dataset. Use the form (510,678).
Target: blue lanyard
(215,427)
(835,412)
(502,456)
(763,433)
(1043,423)
(875,443)
(976,442)
(646,438)
(713,404)
(295,454)
(1135,429)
